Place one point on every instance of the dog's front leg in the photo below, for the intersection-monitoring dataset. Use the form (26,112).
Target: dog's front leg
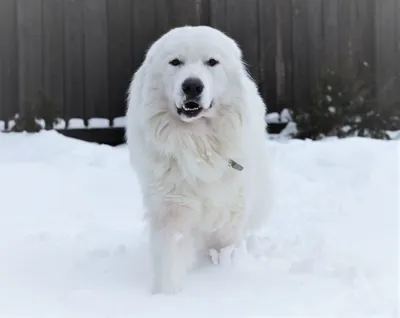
(172,247)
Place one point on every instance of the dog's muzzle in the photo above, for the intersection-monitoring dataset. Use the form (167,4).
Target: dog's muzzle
(192,88)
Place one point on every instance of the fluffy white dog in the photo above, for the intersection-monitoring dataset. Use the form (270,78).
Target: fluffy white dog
(197,141)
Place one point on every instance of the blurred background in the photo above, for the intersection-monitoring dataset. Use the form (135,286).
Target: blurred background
(324,67)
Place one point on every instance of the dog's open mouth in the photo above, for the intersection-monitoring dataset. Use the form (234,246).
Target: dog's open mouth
(190,109)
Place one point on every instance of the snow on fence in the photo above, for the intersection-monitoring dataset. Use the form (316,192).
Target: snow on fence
(79,55)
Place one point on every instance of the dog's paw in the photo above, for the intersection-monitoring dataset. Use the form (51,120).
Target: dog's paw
(166,287)
(224,256)
(166,290)
(253,244)
(214,256)
(169,279)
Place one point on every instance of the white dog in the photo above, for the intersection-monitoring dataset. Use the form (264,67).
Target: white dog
(197,141)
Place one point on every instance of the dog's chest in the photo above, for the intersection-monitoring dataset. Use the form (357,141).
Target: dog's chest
(206,160)
(199,169)
(219,191)
(221,202)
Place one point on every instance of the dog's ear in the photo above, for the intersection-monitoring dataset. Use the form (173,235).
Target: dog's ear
(136,86)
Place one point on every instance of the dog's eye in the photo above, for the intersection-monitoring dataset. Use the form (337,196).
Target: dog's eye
(212,62)
(175,62)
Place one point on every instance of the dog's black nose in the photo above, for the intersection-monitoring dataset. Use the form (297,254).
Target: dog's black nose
(192,87)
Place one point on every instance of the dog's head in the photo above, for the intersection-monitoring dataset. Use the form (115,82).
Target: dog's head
(196,70)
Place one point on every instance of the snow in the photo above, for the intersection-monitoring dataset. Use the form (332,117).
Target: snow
(272,118)
(60,124)
(394,134)
(72,240)
(286,117)
(119,122)
(282,117)
(287,132)
(99,123)
(77,123)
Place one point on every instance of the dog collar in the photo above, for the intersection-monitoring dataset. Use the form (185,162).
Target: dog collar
(235,165)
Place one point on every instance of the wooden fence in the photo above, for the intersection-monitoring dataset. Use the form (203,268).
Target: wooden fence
(80,54)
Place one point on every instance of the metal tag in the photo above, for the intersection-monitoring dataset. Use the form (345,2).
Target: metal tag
(235,165)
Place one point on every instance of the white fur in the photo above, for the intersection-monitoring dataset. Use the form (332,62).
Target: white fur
(195,200)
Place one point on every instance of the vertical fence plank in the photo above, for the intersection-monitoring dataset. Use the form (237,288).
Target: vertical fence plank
(397,54)
(204,6)
(246,34)
(53,53)
(284,66)
(224,15)
(169,13)
(96,59)
(8,61)
(301,62)
(366,37)
(267,53)
(74,84)
(348,40)
(144,28)
(330,59)
(218,18)
(2,95)
(366,31)
(120,63)
(387,53)
(315,50)
(30,37)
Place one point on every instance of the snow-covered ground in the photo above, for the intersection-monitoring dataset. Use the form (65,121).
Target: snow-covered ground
(72,242)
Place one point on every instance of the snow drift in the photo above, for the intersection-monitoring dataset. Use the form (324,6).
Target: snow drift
(72,241)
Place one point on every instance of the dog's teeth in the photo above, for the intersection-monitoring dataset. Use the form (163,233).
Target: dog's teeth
(191,109)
